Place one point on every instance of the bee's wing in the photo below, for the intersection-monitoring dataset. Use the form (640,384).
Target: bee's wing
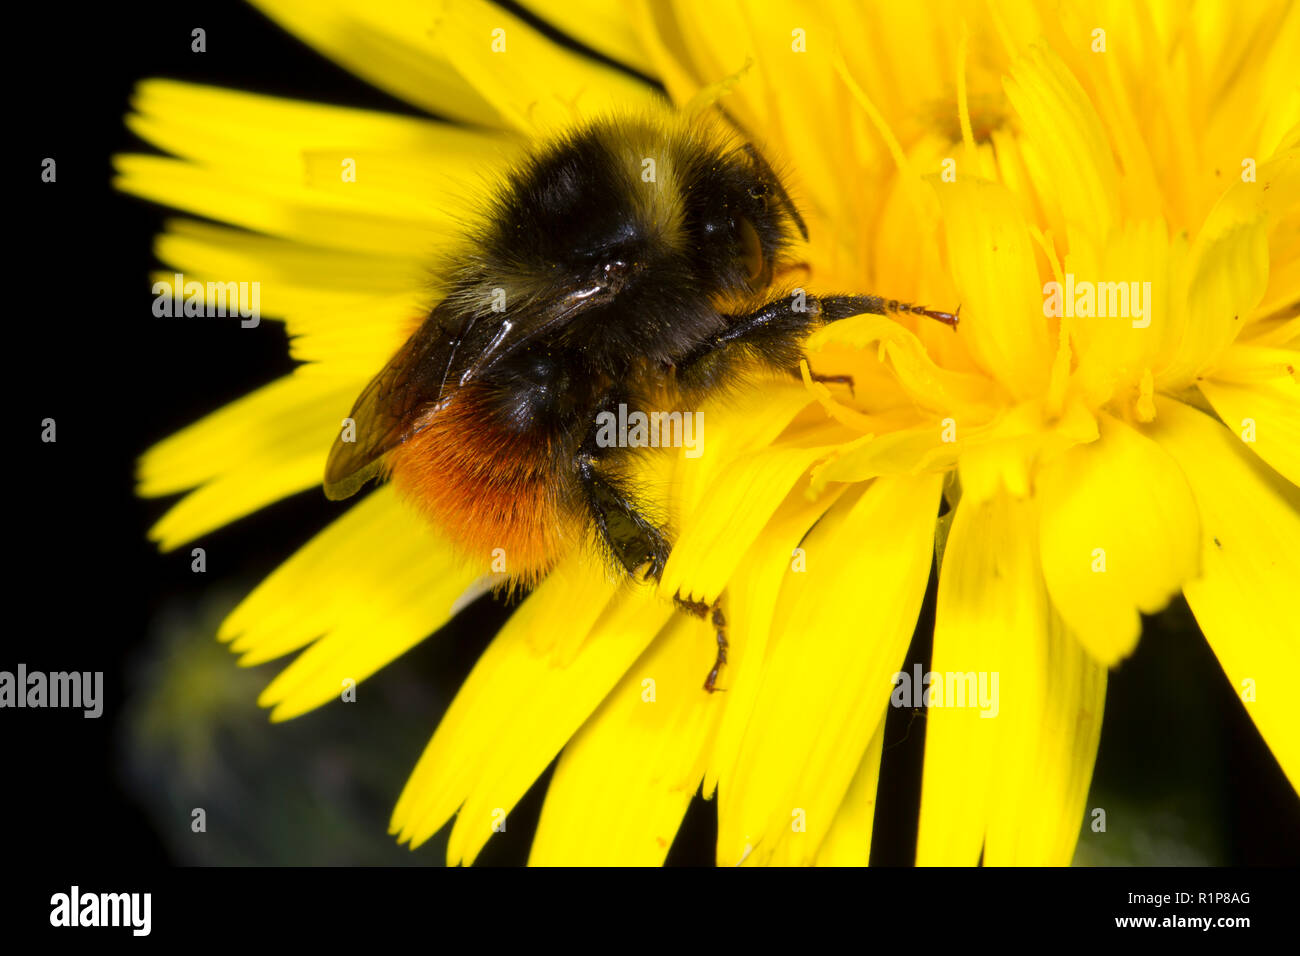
(449,349)
(391,408)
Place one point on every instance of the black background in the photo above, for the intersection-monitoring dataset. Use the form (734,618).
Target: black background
(84,587)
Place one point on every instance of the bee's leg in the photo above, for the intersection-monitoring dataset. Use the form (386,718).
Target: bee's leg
(798,312)
(633,539)
(714,610)
(842,306)
(826,379)
(774,333)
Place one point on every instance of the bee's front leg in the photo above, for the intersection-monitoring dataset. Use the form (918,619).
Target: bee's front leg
(775,332)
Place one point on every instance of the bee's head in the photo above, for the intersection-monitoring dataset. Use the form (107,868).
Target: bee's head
(741,220)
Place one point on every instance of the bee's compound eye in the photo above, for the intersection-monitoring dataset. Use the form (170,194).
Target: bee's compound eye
(758,191)
(751,249)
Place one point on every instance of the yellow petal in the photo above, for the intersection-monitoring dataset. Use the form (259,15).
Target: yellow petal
(1047,748)
(660,35)
(532,82)
(1283,290)
(364,591)
(929,384)
(1265,415)
(839,634)
(751,597)
(712,546)
(607,27)
(1062,126)
(345,310)
(348,338)
(547,671)
(785,93)
(1134,277)
(277,208)
(1003,453)
(1256,98)
(726,495)
(202,249)
(1245,599)
(283,138)
(626,778)
(710,45)
(352,337)
(1229,266)
(904,452)
(985,588)
(1281,330)
(311,172)
(1119,535)
(849,841)
(389,45)
(996,276)
(1008,773)
(263,447)
(1228,281)
(1256,361)
(1270,198)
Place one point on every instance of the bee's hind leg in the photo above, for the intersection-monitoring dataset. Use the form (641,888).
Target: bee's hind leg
(636,543)
(714,612)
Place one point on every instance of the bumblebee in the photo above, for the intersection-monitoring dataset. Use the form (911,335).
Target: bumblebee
(605,273)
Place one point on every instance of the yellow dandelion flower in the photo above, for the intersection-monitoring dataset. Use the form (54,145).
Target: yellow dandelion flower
(1111,194)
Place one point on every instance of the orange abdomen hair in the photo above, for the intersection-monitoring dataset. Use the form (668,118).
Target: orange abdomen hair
(487,488)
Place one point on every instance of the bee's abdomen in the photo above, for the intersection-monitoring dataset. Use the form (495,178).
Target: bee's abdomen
(492,488)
